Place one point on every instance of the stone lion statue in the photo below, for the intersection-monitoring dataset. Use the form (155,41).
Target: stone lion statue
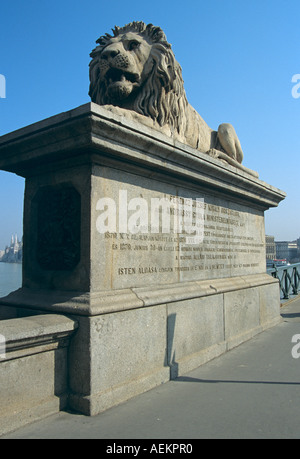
(134,73)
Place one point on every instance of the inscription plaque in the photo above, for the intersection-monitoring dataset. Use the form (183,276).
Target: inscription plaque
(155,236)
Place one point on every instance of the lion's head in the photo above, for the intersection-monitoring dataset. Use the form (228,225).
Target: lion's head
(136,69)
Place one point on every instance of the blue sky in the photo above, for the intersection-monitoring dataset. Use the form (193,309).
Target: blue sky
(238,59)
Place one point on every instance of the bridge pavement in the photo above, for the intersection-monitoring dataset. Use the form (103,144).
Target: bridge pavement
(250,392)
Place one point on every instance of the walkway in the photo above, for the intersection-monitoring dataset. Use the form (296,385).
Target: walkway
(250,392)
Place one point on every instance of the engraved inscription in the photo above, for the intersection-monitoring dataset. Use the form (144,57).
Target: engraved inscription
(226,246)
(148,233)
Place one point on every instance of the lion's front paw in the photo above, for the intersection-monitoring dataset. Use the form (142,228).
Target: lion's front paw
(213,153)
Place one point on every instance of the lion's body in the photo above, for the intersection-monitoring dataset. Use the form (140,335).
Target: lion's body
(197,133)
(135,70)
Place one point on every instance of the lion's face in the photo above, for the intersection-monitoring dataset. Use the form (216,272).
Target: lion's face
(135,68)
(124,65)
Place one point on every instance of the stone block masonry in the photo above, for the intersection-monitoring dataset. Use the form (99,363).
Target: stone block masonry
(155,250)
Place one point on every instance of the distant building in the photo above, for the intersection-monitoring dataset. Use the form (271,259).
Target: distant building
(14,252)
(282,250)
(270,248)
(287,250)
(294,252)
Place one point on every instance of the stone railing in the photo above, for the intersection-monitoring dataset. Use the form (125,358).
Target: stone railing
(289,279)
(33,368)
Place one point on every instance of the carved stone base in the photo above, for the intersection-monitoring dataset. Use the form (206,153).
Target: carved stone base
(156,250)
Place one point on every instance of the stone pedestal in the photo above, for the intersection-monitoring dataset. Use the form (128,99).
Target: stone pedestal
(157,250)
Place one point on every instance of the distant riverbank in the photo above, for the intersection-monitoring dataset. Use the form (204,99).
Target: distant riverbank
(12,262)
(10,277)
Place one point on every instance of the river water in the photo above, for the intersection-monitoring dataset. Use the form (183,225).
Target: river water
(10,277)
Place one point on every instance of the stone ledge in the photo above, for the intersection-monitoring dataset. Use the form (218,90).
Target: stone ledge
(105,302)
(33,368)
(91,134)
(31,335)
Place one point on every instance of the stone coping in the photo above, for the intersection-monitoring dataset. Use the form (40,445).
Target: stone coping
(29,335)
(104,302)
(91,134)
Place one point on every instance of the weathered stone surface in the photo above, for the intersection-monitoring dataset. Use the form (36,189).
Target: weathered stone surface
(33,368)
(110,301)
(231,240)
(195,332)
(152,344)
(120,160)
(152,301)
(127,356)
(135,69)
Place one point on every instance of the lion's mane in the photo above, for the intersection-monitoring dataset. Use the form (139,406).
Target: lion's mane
(162,97)
(158,96)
